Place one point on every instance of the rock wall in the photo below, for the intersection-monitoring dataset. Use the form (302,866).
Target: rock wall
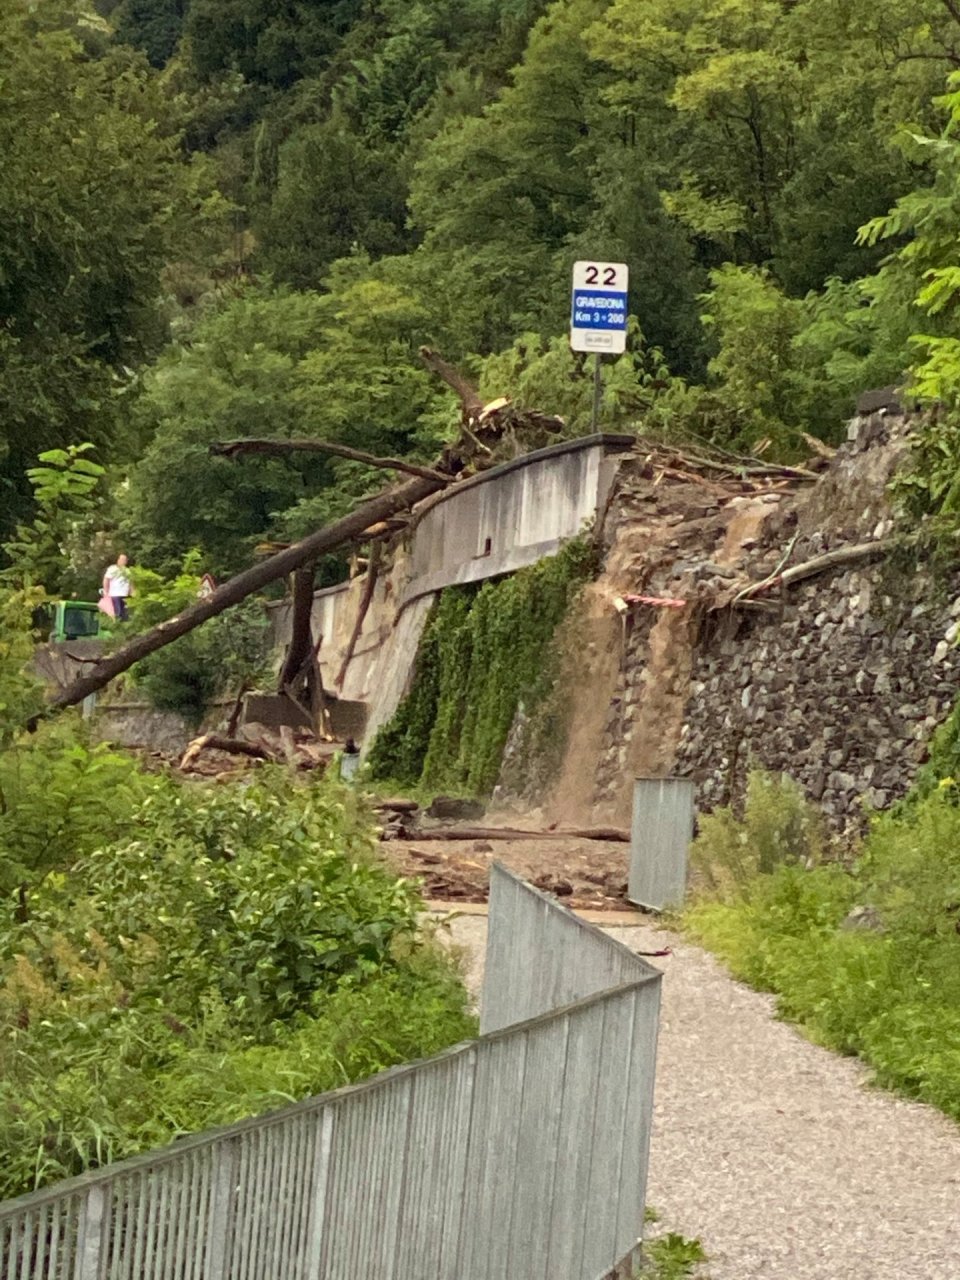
(838,680)
(841,688)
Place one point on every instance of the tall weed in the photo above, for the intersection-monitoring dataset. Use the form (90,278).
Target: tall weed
(778,827)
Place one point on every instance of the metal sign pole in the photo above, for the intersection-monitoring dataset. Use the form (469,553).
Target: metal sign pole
(597,391)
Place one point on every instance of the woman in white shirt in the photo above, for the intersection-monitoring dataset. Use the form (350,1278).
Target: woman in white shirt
(117,587)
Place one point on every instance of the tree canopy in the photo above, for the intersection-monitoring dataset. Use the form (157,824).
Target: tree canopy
(247,217)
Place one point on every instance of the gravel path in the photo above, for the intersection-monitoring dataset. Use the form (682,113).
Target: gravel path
(776,1153)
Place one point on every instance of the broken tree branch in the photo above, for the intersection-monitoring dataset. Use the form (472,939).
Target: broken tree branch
(234,448)
(219,742)
(380,507)
(820,564)
(470,399)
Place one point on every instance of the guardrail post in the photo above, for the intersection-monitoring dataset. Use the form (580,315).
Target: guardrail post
(663,814)
(222,1202)
(90,1235)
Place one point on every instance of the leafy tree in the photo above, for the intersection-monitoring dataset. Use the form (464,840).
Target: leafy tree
(918,288)
(87,206)
(333,195)
(342,366)
(268,43)
(498,195)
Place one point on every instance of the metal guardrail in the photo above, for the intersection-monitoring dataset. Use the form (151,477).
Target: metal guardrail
(521,1154)
(662,828)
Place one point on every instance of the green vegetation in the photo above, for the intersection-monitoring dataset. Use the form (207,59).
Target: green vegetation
(231,217)
(185,956)
(671,1257)
(483,653)
(883,982)
(215,660)
(176,955)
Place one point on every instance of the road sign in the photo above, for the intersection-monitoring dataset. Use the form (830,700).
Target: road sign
(598,307)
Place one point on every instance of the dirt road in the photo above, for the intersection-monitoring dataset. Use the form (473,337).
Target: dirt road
(776,1153)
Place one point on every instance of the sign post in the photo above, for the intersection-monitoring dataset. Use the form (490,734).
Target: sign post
(598,315)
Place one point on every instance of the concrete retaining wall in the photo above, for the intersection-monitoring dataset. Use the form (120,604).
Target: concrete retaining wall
(493,524)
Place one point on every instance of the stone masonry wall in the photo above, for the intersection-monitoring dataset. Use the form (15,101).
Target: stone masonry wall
(840,688)
(838,680)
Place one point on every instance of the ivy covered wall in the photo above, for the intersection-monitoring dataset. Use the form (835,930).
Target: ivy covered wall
(484,651)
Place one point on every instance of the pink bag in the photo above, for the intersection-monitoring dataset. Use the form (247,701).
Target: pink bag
(105,605)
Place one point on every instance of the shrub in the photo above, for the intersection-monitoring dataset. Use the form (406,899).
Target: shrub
(778,826)
(238,948)
(60,796)
(189,674)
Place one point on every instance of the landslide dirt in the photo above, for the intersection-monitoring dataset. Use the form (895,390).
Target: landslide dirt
(582,873)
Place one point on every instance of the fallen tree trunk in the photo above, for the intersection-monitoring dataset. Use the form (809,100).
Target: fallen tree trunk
(350,528)
(613,834)
(234,448)
(244,584)
(369,586)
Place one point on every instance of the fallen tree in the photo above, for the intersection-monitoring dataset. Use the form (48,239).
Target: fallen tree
(278,566)
(616,835)
(236,448)
(482,428)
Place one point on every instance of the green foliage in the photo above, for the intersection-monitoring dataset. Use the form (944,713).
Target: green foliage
(89,208)
(60,797)
(333,195)
(922,278)
(537,371)
(483,653)
(208,662)
(63,492)
(275,364)
(778,827)
(671,1257)
(21,695)
(155,26)
(890,994)
(230,952)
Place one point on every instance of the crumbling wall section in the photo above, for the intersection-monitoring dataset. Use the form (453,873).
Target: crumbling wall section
(838,679)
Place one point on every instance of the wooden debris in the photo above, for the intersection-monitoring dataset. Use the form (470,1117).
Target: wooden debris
(397,806)
(218,742)
(820,564)
(235,448)
(616,834)
(819,447)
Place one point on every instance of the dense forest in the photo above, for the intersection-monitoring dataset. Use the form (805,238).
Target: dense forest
(229,218)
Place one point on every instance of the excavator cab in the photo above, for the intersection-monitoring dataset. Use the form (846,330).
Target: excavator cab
(60,620)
